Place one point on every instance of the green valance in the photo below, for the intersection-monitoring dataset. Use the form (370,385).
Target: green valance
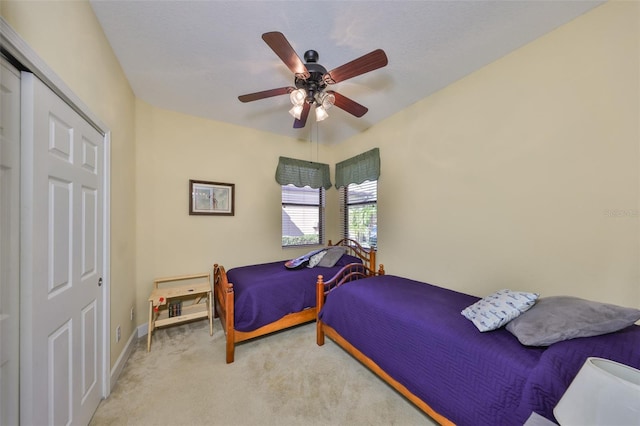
(303,173)
(365,166)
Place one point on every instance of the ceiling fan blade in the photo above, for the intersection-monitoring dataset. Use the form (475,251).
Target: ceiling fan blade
(265,94)
(369,62)
(280,45)
(351,106)
(299,124)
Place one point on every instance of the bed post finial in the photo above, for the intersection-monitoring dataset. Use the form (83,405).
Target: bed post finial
(381,270)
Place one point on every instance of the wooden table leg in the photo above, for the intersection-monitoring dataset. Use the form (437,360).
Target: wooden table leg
(210,308)
(150,330)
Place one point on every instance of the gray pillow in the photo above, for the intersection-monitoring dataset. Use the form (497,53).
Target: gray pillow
(558,318)
(333,254)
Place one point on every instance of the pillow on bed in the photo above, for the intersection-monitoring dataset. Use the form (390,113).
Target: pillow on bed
(331,257)
(316,258)
(558,318)
(499,308)
(302,261)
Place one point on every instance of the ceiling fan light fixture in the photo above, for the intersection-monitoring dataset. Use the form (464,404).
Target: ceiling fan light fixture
(297,97)
(327,100)
(321,113)
(311,80)
(296,111)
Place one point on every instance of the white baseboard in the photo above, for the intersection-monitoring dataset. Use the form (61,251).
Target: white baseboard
(122,359)
(143,330)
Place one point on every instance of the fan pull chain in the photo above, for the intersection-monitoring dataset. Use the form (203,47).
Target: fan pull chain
(317,141)
(311,144)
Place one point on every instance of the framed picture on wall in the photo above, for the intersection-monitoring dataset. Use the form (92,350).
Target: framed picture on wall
(211,198)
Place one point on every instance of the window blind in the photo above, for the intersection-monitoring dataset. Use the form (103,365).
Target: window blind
(359,209)
(302,216)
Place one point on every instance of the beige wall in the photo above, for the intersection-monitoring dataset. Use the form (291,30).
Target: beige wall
(524,174)
(68,37)
(173,148)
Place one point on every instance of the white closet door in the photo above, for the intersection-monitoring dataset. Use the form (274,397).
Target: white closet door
(9,241)
(62,261)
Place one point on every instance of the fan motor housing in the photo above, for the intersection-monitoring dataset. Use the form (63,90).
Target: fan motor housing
(315,83)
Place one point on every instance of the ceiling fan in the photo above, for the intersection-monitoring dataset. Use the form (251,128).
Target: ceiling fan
(311,80)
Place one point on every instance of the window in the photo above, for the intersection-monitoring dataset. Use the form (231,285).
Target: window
(302,216)
(359,204)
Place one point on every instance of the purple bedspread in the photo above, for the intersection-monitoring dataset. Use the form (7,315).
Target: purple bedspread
(415,332)
(266,292)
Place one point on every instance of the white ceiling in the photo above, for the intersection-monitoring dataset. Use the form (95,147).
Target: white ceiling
(196,57)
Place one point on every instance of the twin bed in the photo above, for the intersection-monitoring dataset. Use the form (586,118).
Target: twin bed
(413,336)
(256,300)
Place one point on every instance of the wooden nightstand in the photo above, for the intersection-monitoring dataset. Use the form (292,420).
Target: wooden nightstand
(164,302)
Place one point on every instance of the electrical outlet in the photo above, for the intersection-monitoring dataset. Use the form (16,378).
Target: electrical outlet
(117,334)
(131,316)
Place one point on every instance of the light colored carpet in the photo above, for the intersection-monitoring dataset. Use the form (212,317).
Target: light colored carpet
(282,379)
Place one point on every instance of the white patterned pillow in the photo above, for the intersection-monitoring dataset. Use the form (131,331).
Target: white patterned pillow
(497,309)
(316,258)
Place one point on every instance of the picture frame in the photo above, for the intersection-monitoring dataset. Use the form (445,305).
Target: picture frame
(211,198)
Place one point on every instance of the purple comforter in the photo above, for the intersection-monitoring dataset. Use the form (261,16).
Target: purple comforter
(266,292)
(415,332)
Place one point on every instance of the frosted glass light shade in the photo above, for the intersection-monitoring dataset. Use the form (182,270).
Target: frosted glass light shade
(603,392)
(297,96)
(321,113)
(327,100)
(296,111)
